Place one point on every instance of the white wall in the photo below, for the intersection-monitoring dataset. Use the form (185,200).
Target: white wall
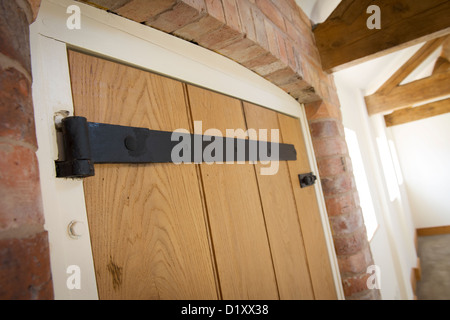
(352,103)
(423,149)
(392,245)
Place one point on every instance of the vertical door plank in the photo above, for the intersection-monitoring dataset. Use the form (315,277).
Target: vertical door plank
(147,223)
(280,211)
(308,211)
(236,219)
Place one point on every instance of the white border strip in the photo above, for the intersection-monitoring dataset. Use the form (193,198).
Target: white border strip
(141,46)
(63,200)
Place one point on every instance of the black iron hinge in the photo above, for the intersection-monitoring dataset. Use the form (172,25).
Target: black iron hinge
(86,143)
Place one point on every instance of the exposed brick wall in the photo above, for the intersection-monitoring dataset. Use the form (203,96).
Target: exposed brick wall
(273,38)
(24,251)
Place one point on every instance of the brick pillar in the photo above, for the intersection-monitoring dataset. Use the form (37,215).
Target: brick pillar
(341,197)
(24,250)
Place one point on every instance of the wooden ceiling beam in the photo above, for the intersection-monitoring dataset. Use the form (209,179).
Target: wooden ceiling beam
(404,71)
(344,39)
(417,92)
(418,113)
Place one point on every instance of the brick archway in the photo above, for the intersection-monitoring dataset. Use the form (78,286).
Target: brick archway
(272,38)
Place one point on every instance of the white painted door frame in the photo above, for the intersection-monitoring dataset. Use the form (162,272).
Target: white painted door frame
(125,41)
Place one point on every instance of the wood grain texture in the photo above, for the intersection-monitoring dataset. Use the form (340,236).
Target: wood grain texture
(417,113)
(344,40)
(431,231)
(280,211)
(308,214)
(417,92)
(239,236)
(412,63)
(147,223)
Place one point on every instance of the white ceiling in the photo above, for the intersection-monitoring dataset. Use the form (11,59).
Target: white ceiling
(318,10)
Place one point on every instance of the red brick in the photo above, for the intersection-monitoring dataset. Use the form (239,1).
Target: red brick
(356,263)
(232,14)
(292,33)
(25,268)
(143,10)
(242,51)
(282,48)
(373,294)
(14,34)
(283,77)
(34,5)
(322,90)
(292,61)
(330,147)
(352,243)
(272,13)
(311,68)
(341,204)
(333,96)
(308,96)
(246,18)
(355,284)
(292,4)
(220,38)
(198,5)
(194,30)
(30,8)
(301,20)
(268,69)
(322,110)
(356,198)
(346,223)
(271,38)
(284,8)
(337,184)
(16,108)
(20,192)
(326,128)
(261,60)
(215,9)
(332,166)
(299,89)
(260,28)
(176,18)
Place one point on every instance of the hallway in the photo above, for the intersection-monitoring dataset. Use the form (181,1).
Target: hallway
(434,253)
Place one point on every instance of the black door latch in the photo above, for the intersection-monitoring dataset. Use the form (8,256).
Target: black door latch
(307,179)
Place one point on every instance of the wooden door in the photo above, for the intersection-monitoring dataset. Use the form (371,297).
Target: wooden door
(208,231)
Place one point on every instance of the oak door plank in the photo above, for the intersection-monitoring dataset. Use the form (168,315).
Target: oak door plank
(237,225)
(280,211)
(146,222)
(309,214)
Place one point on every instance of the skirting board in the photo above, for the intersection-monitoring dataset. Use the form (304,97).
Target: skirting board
(433,231)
